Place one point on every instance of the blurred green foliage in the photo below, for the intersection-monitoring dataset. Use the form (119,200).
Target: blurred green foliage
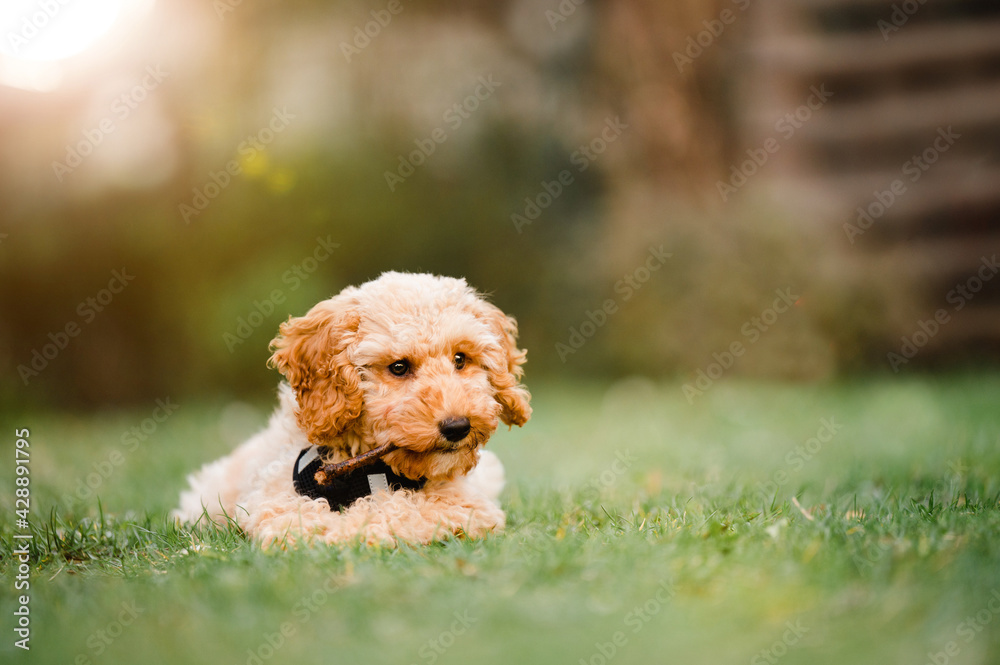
(180,325)
(211,288)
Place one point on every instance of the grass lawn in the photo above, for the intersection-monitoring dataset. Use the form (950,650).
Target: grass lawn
(855,522)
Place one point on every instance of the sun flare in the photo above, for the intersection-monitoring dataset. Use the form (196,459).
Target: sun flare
(44,43)
(48,30)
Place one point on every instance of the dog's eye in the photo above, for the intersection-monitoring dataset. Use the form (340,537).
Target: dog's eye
(400,367)
(459,360)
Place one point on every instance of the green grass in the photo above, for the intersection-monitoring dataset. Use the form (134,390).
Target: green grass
(882,545)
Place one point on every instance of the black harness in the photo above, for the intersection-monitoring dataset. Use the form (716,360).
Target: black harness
(345,490)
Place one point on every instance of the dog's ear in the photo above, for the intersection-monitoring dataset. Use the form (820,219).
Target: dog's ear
(504,367)
(311,351)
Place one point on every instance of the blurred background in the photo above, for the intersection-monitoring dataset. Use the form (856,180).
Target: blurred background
(641,184)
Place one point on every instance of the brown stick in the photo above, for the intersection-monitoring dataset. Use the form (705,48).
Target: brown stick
(328,472)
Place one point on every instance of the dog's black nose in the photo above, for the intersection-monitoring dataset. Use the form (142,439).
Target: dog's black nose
(454,429)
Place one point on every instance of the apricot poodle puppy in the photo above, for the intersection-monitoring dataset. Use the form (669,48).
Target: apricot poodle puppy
(416,365)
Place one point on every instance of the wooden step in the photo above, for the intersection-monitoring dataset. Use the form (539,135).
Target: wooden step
(956,185)
(904,114)
(944,258)
(848,5)
(974,323)
(865,54)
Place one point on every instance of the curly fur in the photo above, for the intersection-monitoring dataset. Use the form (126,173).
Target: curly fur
(340,394)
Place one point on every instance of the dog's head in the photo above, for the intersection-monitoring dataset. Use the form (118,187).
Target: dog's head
(415,360)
